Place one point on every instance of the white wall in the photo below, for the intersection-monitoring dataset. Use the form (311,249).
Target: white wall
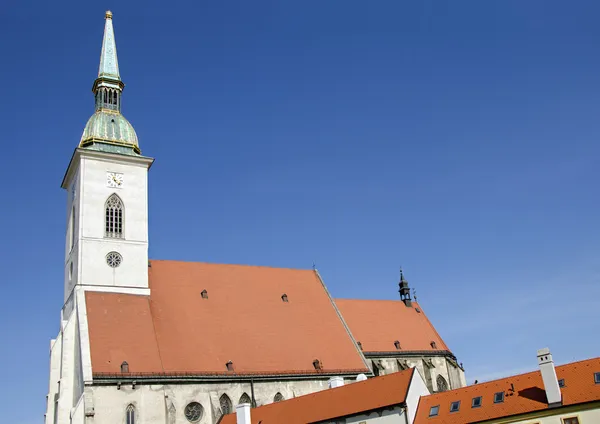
(416,389)
(55,361)
(88,174)
(152,402)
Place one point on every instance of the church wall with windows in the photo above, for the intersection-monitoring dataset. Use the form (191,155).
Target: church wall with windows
(430,368)
(167,403)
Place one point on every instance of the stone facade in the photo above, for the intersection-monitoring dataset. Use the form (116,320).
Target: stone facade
(437,371)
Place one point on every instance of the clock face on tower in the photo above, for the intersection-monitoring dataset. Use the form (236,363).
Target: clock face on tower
(114,179)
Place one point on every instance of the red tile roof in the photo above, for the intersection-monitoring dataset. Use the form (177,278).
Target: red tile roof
(528,396)
(244,320)
(351,399)
(411,328)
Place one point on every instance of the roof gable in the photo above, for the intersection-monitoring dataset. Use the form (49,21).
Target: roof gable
(243,320)
(404,324)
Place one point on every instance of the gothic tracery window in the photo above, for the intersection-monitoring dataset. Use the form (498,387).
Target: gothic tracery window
(226,405)
(245,399)
(114,217)
(442,385)
(194,412)
(130,415)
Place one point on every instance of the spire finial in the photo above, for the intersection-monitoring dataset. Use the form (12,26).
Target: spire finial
(109,65)
(404,289)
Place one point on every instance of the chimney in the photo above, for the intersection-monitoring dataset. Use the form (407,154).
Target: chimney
(549,377)
(336,382)
(242,413)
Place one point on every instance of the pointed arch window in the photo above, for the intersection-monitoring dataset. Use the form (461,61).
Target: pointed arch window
(442,385)
(130,415)
(244,399)
(278,397)
(226,405)
(113,220)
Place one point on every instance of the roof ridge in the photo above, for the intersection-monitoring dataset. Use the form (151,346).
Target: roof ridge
(370,300)
(569,364)
(229,264)
(394,375)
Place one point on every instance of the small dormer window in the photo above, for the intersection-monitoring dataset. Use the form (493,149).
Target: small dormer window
(284,297)
(204,294)
(397,345)
(455,406)
(434,411)
(499,397)
(317,364)
(124,366)
(597,377)
(561,382)
(433,345)
(229,366)
(476,402)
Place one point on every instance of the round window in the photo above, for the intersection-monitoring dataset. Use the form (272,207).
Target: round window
(114,259)
(193,412)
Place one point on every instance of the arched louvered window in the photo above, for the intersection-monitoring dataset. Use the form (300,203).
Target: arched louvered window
(442,385)
(130,415)
(226,405)
(245,399)
(278,397)
(114,217)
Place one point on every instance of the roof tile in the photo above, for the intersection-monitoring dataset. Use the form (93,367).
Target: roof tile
(528,396)
(353,398)
(411,328)
(244,320)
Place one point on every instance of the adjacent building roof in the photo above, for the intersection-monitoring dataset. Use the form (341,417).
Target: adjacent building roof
(523,393)
(377,324)
(351,399)
(241,318)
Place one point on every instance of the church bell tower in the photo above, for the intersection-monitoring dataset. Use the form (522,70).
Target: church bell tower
(106,245)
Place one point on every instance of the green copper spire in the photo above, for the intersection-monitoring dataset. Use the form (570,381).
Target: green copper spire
(109,65)
(108,130)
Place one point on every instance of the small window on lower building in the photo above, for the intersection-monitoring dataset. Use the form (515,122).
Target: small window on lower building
(434,410)
(476,402)
(597,377)
(561,382)
(499,397)
(570,420)
(455,406)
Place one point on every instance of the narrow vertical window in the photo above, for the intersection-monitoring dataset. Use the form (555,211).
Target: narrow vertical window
(130,415)
(72,241)
(225,403)
(114,217)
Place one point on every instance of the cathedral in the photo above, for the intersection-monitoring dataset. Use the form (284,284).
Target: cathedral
(158,341)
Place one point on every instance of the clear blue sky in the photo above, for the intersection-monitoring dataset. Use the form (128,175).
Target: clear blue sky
(457,139)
